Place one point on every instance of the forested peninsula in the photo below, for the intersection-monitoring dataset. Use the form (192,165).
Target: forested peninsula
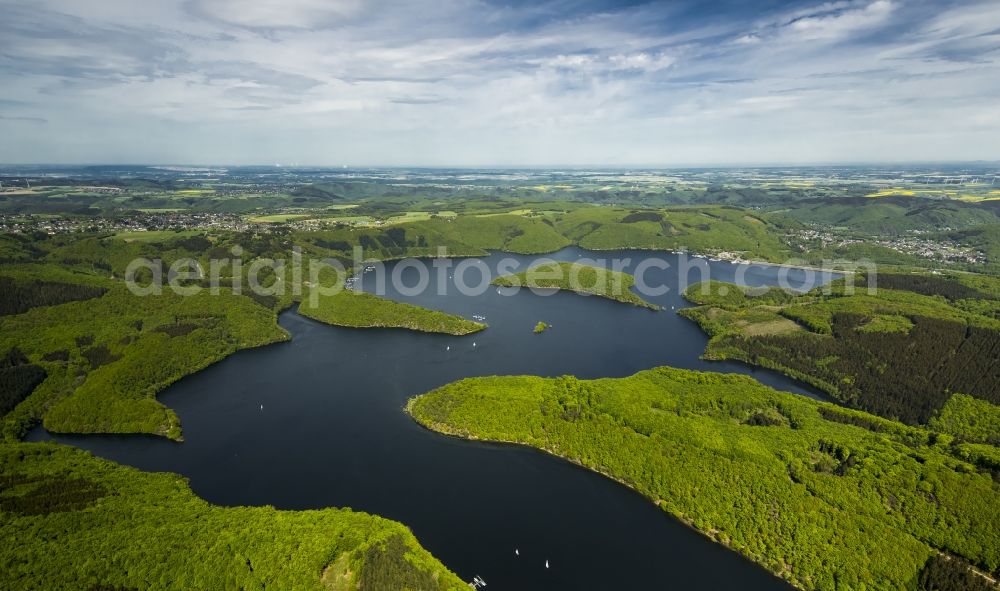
(900,350)
(363,310)
(822,496)
(140,530)
(578,278)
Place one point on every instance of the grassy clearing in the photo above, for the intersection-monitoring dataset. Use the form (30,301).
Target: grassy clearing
(155,235)
(770,327)
(521,212)
(278,218)
(351,220)
(409,216)
(893,192)
(887,323)
(992,196)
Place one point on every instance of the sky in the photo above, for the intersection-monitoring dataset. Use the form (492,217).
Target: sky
(490,83)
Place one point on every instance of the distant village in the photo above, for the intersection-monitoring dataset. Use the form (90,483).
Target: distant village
(801,240)
(137,222)
(913,244)
(165,221)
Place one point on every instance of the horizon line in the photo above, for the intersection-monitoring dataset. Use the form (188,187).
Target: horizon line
(591,166)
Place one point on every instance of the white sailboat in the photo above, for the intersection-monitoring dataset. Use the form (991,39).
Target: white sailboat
(546,564)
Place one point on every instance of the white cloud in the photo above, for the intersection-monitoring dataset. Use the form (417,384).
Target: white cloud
(595,64)
(642,61)
(829,21)
(304,14)
(463,82)
(842,24)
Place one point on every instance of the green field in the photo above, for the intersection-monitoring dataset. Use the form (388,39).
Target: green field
(409,216)
(279,218)
(154,236)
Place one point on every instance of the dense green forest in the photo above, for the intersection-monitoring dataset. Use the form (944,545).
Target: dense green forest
(949,573)
(706,230)
(867,370)
(578,278)
(824,497)
(17,297)
(72,521)
(969,418)
(107,358)
(18,378)
(363,310)
(900,351)
(105,352)
(892,215)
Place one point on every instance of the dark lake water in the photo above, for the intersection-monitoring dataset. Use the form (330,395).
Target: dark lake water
(332,433)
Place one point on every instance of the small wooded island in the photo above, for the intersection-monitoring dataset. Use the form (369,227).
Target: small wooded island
(582,279)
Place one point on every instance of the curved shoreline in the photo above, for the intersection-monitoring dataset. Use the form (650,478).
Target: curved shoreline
(446,431)
(719,453)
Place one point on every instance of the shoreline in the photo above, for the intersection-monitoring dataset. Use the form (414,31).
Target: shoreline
(708,256)
(658,503)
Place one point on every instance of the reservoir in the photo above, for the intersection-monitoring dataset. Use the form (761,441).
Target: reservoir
(318,422)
